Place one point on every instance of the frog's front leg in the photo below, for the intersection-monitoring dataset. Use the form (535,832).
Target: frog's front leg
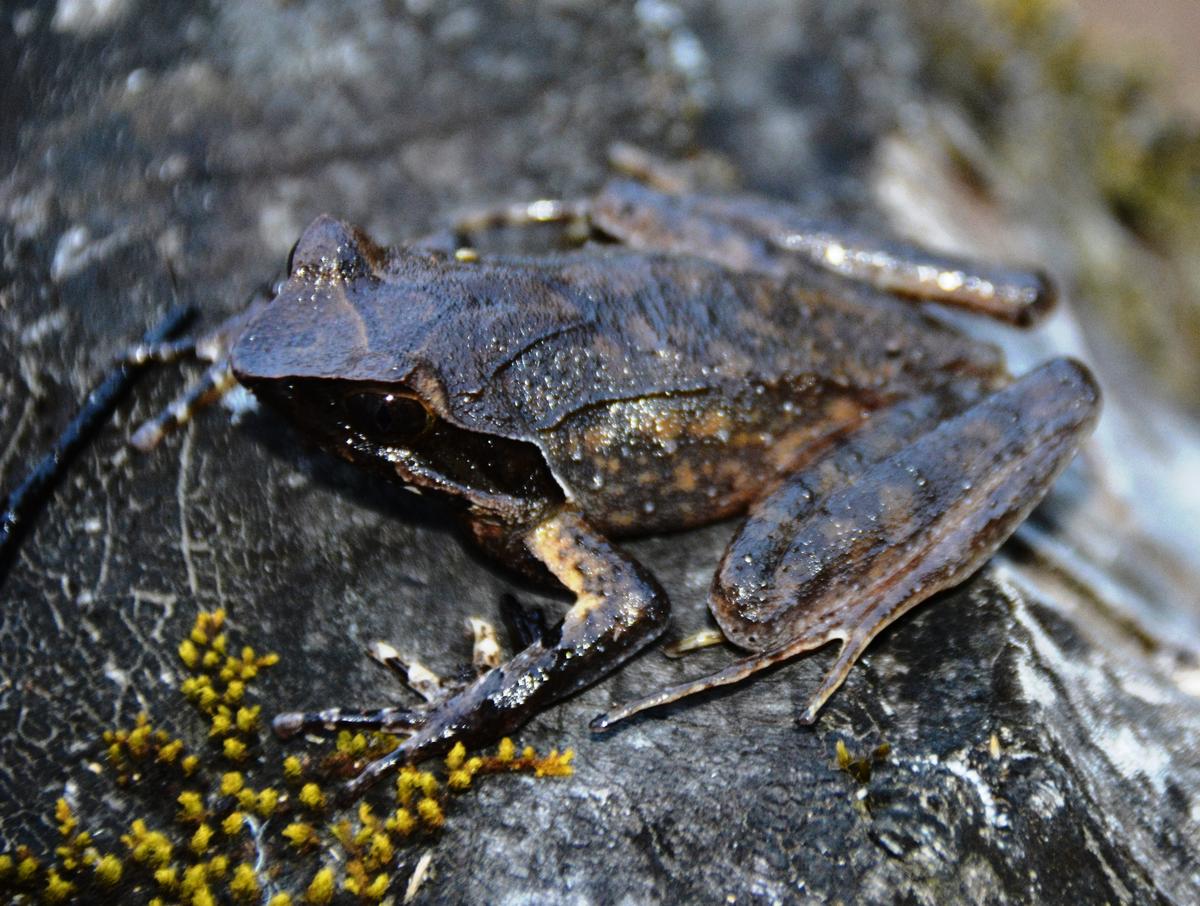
(816,563)
(619,608)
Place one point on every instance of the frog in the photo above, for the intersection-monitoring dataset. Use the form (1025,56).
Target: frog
(697,358)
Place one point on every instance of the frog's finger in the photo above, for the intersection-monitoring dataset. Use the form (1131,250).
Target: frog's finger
(384,720)
(216,382)
(619,609)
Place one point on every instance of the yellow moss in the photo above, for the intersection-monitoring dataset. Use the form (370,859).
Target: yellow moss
(207,698)
(139,741)
(219,642)
(247,799)
(191,806)
(217,866)
(234,692)
(108,870)
(266,802)
(203,896)
(348,744)
(189,654)
(406,784)
(343,833)
(311,796)
(292,768)
(555,764)
(6,866)
(201,839)
(210,659)
(268,660)
(169,752)
(195,879)
(190,764)
(402,821)
(232,783)
(506,751)
(233,823)
(843,755)
(431,812)
(381,849)
(280,899)
(456,756)
(27,869)
(247,718)
(427,783)
(167,878)
(459,780)
(234,749)
(148,847)
(222,723)
(320,891)
(244,883)
(301,835)
(377,888)
(58,888)
(66,821)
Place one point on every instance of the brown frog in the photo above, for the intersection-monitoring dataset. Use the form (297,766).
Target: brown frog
(719,356)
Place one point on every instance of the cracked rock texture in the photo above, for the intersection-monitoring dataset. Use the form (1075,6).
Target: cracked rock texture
(1043,719)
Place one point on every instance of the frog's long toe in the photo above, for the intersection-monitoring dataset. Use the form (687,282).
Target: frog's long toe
(383,720)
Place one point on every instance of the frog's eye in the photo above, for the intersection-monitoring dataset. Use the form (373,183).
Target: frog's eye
(387,416)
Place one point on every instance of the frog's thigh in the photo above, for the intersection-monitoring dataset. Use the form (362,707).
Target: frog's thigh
(619,609)
(912,523)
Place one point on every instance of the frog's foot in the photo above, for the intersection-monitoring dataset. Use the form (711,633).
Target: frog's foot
(814,563)
(1018,297)
(697,641)
(619,609)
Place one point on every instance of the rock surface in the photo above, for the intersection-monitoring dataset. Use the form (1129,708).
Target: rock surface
(1043,719)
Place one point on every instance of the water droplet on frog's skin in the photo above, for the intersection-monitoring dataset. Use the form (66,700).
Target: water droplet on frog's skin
(597,481)
(748,558)
(648,506)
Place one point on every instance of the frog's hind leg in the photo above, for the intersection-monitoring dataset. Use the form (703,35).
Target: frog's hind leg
(840,550)
(618,610)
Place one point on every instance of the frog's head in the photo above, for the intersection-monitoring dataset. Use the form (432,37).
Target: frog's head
(343,352)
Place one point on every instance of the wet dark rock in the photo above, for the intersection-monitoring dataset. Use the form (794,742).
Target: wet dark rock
(1043,719)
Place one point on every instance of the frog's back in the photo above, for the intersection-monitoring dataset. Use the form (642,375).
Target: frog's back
(662,390)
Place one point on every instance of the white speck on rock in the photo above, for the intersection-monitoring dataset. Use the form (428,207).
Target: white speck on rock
(1132,757)
(84,18)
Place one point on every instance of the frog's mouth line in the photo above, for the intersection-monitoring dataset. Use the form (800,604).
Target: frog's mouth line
(486,471)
